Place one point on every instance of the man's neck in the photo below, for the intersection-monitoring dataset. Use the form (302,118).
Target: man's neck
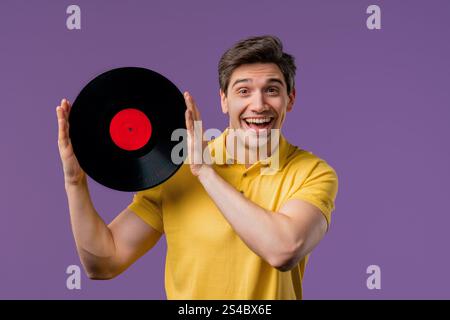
(251,155)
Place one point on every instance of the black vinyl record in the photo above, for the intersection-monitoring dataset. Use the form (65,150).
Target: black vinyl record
(121,126)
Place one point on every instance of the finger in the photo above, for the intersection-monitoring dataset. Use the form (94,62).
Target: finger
(189,129)
(187,101)
(60,114)
(192,138)
(63,128)
(190,103)
(193,115)
(195,108)
(66,106)
(189,120)
(191,149)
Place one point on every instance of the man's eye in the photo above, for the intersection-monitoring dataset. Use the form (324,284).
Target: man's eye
(272,90)
(242,91)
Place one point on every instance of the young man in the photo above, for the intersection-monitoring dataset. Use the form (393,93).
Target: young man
(233,231)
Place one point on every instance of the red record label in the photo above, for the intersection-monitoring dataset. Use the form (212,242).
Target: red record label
(130,129)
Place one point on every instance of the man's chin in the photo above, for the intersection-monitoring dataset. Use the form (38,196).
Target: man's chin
(251,132)
(260,136)
(253,139)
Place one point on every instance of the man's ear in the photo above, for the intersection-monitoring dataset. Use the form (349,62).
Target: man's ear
(291,100)
(223,101)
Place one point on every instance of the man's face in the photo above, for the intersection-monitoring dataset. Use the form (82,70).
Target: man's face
(257,99)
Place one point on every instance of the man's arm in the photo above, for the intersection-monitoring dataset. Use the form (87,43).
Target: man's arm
(281,238)
(105,251)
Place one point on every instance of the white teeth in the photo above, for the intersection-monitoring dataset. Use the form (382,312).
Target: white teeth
(258,120)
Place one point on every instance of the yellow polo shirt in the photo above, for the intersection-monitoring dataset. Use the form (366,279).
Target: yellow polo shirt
(206,259)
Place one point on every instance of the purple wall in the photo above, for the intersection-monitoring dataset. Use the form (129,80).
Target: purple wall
(374,103)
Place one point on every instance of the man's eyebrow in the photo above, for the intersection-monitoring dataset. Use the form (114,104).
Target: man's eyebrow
(239,81)
(250,80)
(275,80)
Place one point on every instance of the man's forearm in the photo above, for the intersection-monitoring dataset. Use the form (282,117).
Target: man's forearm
(93,238)
(266,233)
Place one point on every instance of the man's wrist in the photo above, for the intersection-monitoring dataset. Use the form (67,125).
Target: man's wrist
(205,173)
(70,185)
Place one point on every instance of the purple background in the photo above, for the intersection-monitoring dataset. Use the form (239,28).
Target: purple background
(374,104)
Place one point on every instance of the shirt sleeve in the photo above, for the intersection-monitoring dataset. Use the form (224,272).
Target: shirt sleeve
(147,205)
(319,189)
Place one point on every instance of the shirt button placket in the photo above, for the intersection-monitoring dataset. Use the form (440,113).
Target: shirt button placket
(244,175)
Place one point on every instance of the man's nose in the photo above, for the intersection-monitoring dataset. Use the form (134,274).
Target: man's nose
(258,103)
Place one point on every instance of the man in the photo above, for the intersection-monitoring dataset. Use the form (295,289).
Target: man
(232,231)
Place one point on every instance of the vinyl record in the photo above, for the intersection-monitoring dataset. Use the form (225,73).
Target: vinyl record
(121,126)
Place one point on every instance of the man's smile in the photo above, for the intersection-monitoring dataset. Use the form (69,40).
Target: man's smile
(258,122)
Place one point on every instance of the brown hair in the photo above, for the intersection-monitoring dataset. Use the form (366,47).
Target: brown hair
(260,49)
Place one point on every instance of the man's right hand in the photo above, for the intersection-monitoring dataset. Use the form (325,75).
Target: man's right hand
(73,174)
